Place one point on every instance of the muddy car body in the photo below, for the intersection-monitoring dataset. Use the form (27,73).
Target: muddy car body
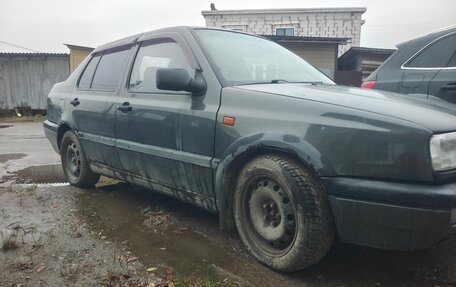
(261,138)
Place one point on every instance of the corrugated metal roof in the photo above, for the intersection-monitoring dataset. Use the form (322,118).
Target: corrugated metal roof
(71,46)
(19,54)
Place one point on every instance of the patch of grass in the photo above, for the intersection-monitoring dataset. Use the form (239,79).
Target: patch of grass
(31,188)
(10,242)
(8,188)
(16,119)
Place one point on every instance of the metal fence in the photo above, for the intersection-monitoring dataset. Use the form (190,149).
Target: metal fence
(27,78)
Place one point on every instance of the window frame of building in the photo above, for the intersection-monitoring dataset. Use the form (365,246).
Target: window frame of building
(406,65)
(285,30)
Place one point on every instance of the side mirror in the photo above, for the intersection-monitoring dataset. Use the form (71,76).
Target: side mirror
(179,80)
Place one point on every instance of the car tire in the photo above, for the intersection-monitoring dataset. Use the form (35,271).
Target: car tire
(282,213)
(75,165)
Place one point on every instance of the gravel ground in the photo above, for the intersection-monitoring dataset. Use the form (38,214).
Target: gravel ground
(50,246)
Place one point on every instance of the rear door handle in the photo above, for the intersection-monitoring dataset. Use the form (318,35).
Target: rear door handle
(125,107)
(75,102)
(450,86)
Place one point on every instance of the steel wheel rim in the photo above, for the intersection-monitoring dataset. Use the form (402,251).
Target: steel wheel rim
(270,216)
(73,160)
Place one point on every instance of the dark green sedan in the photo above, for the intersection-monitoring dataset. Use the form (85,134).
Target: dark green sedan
(242,127)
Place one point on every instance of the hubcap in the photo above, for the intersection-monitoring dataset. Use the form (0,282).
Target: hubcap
(73,160)
(271,215)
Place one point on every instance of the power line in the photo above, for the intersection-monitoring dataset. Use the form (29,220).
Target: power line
(20,47)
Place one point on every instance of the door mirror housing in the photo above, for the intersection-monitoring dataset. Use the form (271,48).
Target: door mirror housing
(179,80)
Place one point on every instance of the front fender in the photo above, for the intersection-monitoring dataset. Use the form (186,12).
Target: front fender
(245,148)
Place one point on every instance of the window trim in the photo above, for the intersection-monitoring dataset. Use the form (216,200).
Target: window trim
(404,67)
(155,41)
(93,55)
(119,48)
(181,41)
(294,30)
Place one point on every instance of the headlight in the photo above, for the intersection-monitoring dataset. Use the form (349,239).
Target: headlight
(443,151)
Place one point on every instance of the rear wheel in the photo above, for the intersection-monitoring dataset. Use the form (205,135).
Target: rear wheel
(282,213)
(74,163)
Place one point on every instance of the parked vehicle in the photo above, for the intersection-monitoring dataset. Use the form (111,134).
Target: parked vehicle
(426,65)
(242,127)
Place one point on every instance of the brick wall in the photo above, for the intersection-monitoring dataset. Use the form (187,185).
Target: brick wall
(328,22)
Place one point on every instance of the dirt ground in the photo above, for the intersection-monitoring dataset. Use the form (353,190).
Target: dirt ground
(116,234)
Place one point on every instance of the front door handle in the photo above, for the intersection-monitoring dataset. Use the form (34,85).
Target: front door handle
(125,107)
(75,102)
(450,86)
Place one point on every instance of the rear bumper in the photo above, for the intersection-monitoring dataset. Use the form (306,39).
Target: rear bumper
(387,215)
(50,130)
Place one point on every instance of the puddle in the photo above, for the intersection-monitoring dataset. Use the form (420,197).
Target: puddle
(122,213)
(38,174)
(186,238)
(5,126)
(11,156)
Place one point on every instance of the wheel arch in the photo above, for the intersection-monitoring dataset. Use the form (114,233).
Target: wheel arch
(247,148)
(63,128)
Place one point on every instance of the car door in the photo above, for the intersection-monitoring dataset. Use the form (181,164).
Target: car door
(424,66)
(93,105)
(158,131)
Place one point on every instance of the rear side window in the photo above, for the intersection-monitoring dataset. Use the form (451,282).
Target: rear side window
(87,75)
(163,53)
(452,62)
(436,55)
(109,70)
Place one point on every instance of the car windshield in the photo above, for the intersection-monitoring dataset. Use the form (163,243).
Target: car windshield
(245,59)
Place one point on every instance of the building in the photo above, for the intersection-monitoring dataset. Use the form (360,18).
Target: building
(77,55)
(303,22)
(364,60)
(27,78)
(321,52)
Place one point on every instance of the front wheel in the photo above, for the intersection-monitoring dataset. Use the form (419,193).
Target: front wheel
(74,162)
(282,213)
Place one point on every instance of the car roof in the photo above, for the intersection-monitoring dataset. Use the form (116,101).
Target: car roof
(134,38)
(179,29)
(431,36)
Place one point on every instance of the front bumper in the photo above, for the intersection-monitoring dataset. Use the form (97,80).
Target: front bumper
(50,130)
(391,215)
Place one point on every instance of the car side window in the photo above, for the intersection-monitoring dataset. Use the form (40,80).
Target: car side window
(152,55)
(437,55)
(452,62)
(109,70)
(86,78)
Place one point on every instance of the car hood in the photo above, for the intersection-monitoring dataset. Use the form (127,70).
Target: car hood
(432,113)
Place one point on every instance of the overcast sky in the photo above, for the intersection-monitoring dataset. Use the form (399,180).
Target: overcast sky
(44,25)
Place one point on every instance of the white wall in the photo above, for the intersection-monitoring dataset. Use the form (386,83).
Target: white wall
(327,22)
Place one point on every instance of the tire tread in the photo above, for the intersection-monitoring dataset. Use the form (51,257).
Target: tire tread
(319,227)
